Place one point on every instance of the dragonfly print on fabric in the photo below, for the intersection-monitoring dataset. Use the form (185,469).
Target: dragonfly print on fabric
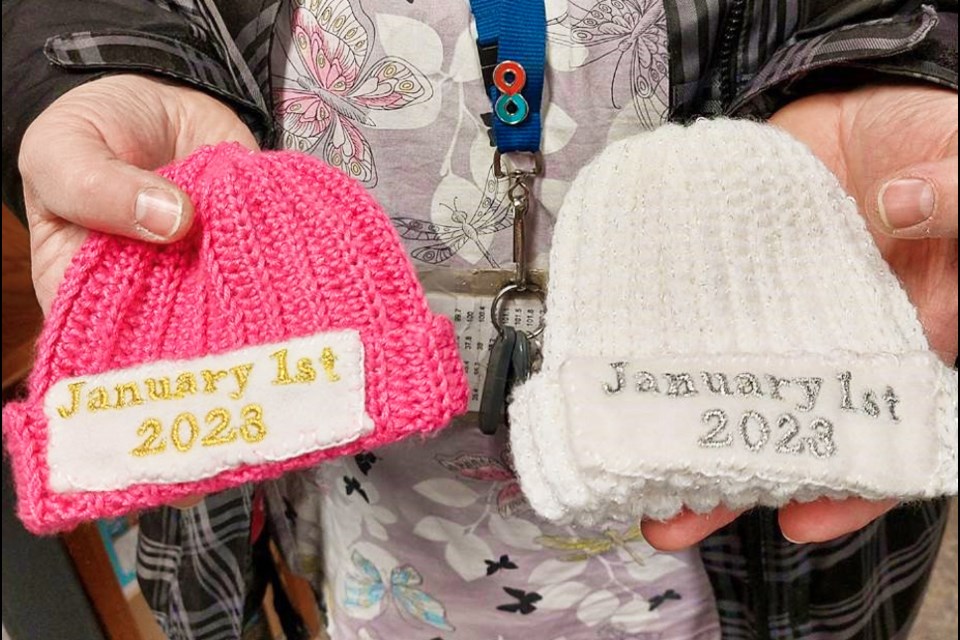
(329,86)
(364,590)
(635,33)
(445,239)
(578,549)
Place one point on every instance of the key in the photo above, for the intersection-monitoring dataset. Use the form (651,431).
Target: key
(493,402)
(508,367)
(521,361)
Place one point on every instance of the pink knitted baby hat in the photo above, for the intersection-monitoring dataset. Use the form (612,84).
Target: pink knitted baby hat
(287,328)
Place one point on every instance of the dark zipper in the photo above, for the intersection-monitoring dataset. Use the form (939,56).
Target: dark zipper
(756,539)
(728,49)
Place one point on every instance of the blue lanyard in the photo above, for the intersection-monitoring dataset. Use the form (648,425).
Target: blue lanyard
(512,42)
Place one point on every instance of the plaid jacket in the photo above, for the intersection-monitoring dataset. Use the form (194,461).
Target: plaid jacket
(735,57)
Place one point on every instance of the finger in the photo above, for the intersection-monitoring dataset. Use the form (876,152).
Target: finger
(72,173)
(920,202)
(686,529)
(825,519)
(49,266)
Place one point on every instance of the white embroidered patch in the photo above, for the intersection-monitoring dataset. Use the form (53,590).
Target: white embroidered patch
(862,422)
(183,420)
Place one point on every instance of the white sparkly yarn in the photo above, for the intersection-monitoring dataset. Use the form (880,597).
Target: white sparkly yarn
(722,237)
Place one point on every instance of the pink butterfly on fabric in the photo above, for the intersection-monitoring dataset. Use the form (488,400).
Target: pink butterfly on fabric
(327,90)
(477,466)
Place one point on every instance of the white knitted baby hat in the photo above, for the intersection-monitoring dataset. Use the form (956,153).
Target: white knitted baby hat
(722,329)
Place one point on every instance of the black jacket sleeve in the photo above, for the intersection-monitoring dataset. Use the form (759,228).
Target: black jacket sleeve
(52,46)
(751,57)
(843,45)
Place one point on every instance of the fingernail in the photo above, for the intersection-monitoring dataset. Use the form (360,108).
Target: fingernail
(158,211)
(906,202)
(791,540)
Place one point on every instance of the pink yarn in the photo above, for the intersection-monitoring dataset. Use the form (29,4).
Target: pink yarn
(283,246)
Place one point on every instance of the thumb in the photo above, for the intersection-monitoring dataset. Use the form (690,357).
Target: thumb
(85,183)
(918,202)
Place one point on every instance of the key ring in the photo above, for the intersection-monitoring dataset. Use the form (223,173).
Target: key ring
(507,292)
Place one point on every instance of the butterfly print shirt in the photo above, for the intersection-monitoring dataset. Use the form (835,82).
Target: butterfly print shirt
(433,538)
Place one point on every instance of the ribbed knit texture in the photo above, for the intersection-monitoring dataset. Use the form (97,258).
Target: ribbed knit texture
(282,247)
(724,237)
